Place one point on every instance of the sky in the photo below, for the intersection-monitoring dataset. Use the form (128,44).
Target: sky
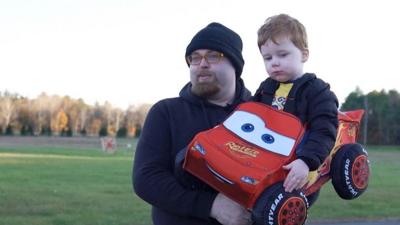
(129,52)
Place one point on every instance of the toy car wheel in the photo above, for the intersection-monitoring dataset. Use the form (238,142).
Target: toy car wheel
(275,206)
(350,171)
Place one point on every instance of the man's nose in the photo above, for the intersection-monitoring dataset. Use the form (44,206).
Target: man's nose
(204,63)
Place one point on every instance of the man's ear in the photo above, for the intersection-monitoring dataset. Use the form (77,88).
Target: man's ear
(304,56)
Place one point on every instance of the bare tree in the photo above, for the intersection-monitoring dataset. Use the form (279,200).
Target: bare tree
(25,117)
(83,116)
(115,121)
(118,118)
(107,112)
(54,105)
(95,120)
(54,114)
(40,114)
(135,117)
(7,112)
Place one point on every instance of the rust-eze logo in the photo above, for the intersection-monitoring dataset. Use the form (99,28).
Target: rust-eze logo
(237,148)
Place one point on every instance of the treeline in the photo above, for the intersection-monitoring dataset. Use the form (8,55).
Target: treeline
(64,116)
(381,122)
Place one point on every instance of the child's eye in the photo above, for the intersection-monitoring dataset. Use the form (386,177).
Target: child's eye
(267,58)
(282,55)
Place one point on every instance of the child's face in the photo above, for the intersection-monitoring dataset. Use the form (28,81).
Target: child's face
(283,61)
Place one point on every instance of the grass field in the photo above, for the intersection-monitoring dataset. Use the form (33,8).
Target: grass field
(68,186)
(380,201)
(88,187)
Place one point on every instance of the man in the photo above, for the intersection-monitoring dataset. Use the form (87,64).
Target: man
(215,61)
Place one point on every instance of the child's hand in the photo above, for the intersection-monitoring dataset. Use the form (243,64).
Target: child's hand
(297,176)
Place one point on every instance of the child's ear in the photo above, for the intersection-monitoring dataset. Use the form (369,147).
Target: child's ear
(304,56)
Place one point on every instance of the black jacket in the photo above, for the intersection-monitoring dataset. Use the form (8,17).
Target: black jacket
(170,126)
(311,100)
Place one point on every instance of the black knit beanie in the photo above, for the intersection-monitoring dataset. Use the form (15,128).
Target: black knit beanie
(219,38)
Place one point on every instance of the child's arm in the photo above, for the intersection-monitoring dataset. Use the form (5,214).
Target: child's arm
(322,122)
(297,177)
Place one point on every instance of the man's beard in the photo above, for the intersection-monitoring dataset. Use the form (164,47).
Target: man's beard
(206,90)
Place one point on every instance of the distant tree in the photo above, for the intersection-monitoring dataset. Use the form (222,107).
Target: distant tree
(378,103)
(55,108)
(116,121)
(122,132)
(94,127)
(382,115)
(138,131)
(108,127)
(7,111)
(9,131)
(103,131)
(392,118)
(59,122)
(41,114)
(76,112)
(55,115)
(83,132)
(25,117)
(46,131)
(95,120)
(27,131)
(355,100)
(135,117)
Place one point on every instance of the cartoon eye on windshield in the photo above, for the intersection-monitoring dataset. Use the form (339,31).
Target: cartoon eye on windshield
(247,127)
(267,138)
(253,129)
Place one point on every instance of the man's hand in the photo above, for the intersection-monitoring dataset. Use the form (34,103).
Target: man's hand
(297,176)
(228,212)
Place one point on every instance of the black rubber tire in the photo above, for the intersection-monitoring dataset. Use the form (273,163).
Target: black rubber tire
(275,206)
(350,171)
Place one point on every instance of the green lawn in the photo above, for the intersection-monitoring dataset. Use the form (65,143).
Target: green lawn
(67,186)
(381,199)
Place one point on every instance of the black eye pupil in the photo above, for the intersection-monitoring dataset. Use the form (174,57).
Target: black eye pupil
(267,138)
(247,127)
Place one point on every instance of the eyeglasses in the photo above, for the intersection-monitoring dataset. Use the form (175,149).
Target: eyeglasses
(210,57)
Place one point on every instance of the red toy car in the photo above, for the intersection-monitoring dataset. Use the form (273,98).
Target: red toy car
(243,158)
